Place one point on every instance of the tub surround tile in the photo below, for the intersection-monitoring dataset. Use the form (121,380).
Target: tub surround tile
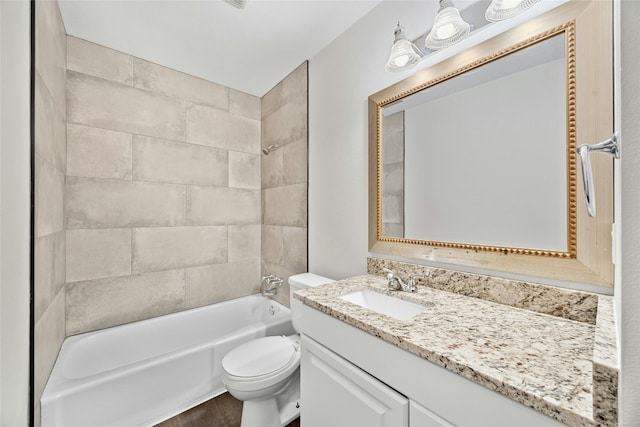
(272,243)
(98,153)
(284,180)
(49,270)
(285,166)
(295,162)
(393,131)
(168,248)
(295,248)
(49,198)
(221,129)
(103,203)
(90,304)
(51,50)
(159,79)
(221,206)
(284,253)
(394,208)
(272,169)
(160,160)
(295,84)
(574,305)
(98,253)
(214,283)
(243,104)
(164,179)
(286,125)
(244,170)
(99,61)
(541,361)
(50,164)
(291,87)
(96,102)
(49,126)
(244,242)
(49,333)
(286,205)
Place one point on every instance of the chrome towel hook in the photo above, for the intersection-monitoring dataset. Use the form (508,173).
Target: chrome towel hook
(610,146)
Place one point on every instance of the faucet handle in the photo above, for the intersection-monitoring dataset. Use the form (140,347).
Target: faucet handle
(390,273)
(412,281)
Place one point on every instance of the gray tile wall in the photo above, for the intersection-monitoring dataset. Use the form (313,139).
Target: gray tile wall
(284,179)
(162,196)
(50,168)
(393,175)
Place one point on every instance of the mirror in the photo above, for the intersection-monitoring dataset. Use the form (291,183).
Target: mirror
(472,161)
(454,152)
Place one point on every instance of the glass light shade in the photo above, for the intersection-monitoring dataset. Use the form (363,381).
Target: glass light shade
(499,10)
(448,27)
(404,54)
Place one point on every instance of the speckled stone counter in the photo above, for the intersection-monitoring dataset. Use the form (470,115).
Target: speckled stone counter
(542,361)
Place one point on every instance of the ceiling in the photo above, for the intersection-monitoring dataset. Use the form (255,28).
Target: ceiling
(250,50)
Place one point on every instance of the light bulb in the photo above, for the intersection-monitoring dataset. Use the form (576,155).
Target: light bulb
(445,31)
(401,61)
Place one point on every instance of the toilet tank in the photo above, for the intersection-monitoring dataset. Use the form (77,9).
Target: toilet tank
(299,282)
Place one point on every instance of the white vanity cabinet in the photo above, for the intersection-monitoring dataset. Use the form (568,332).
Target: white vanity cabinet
(422,417)
(337,393)
(351,378)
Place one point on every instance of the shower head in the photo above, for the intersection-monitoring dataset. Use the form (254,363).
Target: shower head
(269,149)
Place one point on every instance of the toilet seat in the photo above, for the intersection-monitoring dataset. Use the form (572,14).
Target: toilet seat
(261,362)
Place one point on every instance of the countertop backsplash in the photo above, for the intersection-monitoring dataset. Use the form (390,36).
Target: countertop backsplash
(565,303)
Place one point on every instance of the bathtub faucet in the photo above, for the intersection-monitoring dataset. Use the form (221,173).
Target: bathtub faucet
(270,284)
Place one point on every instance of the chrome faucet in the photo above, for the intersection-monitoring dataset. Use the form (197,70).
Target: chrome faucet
(270,284)
(395,283)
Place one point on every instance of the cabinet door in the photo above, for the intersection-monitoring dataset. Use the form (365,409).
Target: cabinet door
(419,416)
(337,393)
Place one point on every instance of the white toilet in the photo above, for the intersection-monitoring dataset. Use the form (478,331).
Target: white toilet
(264,373)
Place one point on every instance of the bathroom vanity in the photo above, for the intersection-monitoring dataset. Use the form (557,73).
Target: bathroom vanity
(463,361)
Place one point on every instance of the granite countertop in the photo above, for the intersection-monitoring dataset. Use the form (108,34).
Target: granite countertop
(542,361)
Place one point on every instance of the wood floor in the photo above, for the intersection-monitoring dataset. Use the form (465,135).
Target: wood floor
(221,411)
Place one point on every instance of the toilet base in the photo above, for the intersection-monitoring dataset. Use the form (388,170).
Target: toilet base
(277,411)
(260,413)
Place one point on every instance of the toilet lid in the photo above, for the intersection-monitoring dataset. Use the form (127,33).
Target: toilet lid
(260,357)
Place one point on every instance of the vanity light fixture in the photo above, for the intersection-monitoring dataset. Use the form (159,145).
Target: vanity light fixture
(448,27)
(499,10)
(404,55)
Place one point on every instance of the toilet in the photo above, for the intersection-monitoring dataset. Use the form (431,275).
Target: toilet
(264,373)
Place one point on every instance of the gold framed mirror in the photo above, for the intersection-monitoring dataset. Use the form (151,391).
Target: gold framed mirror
(473,160)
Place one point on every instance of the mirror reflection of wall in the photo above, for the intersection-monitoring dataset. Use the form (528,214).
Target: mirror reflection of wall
(485,155)
(393,175)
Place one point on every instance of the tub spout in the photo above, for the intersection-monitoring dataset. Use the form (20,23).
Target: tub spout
(270,284)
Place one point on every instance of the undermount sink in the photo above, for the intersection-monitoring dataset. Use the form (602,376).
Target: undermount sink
(384,304)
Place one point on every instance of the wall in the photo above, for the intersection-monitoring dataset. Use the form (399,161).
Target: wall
(15,215)
(284,179)
(50,165)
(163,190)
(341,78)
(628,293)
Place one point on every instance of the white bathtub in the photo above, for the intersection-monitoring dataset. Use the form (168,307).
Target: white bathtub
(145,372)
